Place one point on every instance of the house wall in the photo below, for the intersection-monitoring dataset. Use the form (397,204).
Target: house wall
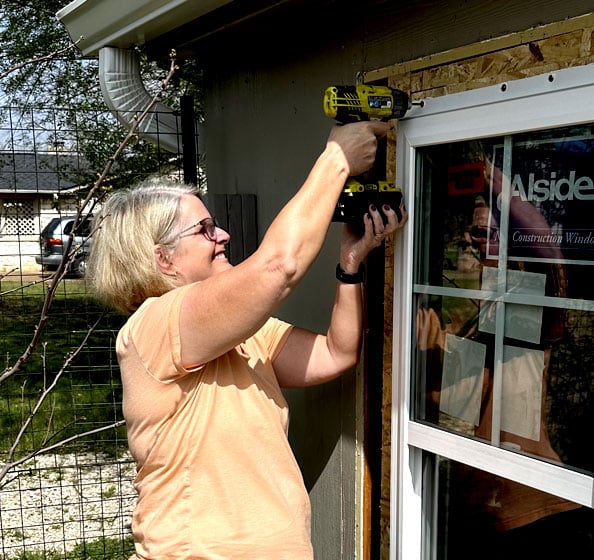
(18,256)
(265,126)
(19,237)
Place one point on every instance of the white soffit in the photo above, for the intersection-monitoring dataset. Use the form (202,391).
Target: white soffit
(125,23)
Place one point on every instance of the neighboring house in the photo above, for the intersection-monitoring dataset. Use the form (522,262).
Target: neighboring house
(266,65)
(34,188)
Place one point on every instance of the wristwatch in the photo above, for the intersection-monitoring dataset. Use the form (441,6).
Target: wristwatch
(348,278)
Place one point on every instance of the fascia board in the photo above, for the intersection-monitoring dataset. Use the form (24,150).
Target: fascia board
(98,23)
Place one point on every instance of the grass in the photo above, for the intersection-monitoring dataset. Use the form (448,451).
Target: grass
(102,549)
(87,395)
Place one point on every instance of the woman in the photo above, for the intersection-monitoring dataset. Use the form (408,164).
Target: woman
(203,361)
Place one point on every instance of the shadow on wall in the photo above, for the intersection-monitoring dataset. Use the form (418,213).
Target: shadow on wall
(318,412)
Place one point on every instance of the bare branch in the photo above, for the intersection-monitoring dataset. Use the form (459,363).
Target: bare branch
(49,56)
(47,389)
(9,466)
(23,286)
(133,129)
(2,276)
(69,254)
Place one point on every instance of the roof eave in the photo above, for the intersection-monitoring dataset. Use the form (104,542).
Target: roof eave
(94,24)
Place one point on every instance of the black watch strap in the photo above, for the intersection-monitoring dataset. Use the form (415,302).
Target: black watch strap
(347,278)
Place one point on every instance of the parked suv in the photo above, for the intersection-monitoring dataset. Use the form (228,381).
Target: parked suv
(54,238)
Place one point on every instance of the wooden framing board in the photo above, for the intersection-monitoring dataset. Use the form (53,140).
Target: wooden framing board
(540,33)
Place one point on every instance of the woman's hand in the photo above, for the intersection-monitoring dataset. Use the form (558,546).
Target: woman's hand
(355,248)
(358,143)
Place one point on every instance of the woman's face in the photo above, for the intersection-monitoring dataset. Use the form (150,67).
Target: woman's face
(484,230)
(197,257)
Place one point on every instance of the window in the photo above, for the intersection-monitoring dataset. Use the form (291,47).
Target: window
(497,396)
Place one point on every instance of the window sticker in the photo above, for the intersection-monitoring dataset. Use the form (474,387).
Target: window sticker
(551,199)
(523,370)
(462,381)
(522,322)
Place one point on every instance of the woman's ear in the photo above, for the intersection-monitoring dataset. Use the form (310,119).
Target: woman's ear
(163,261)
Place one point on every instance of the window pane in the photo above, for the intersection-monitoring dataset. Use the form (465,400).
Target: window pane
(548,180)
(504,259)
(480,515)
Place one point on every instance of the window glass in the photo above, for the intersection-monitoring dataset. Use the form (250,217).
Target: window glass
(85,228)
(480,515)
(503,287)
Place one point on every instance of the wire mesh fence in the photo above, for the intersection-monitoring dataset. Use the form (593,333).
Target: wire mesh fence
(67,506)
(61,495)
(81,492)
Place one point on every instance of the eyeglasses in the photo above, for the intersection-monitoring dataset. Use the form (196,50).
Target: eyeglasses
(479,232)
(209,229)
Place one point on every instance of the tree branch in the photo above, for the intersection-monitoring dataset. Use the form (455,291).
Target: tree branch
(69,254)
(9,466)
(49,56)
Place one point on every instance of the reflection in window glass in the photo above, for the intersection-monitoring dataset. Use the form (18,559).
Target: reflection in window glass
(480,515)
(504,257)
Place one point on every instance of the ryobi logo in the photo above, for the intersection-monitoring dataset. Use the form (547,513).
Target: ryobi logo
(553,188)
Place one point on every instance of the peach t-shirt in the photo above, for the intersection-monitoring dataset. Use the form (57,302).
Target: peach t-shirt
(216,477)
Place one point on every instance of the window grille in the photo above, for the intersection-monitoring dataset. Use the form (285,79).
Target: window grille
(18,218)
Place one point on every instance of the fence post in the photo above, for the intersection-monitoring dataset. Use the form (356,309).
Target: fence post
(188,133)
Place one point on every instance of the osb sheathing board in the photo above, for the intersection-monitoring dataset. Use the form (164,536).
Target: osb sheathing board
(535,51)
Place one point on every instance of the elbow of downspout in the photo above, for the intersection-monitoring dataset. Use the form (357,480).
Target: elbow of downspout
(126,97)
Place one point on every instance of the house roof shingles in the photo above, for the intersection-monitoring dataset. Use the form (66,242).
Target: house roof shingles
(44,173)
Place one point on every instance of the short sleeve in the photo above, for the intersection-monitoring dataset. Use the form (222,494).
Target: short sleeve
(275,332)
(154,332)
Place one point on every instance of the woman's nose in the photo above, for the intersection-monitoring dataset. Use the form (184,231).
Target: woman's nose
(223,236)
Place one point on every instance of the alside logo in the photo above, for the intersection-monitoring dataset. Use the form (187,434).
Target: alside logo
(553,188)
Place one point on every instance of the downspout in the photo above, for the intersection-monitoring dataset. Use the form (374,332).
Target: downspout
(126,97)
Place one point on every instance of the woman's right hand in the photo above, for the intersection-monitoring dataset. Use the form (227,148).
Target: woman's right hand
(358,143)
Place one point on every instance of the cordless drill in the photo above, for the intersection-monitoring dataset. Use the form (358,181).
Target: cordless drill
(355,103)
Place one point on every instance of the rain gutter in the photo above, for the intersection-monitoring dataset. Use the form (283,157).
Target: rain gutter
(127,23)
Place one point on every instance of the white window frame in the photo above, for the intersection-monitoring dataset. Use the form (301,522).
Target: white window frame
(555,99)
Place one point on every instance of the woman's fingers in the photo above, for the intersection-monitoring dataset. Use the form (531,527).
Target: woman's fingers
(382,228)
